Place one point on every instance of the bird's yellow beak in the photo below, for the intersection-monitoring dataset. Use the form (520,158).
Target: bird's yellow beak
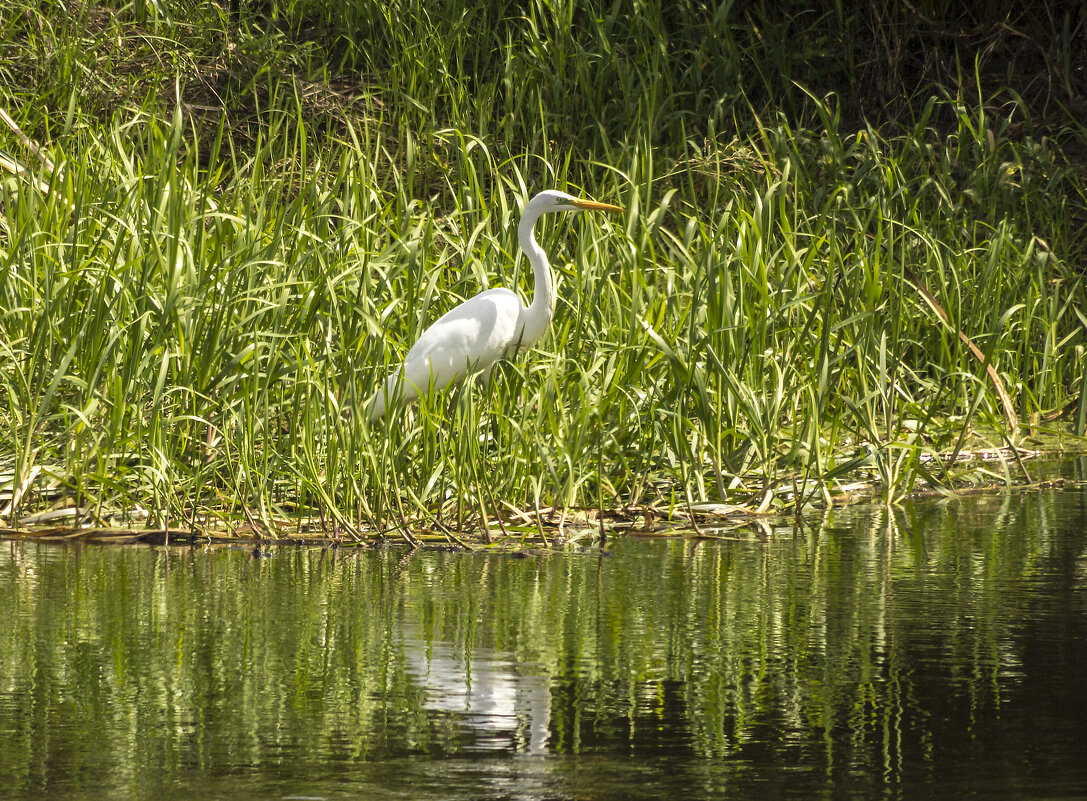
(592,205)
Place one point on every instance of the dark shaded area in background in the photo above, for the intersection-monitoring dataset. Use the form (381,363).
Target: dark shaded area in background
(883,60)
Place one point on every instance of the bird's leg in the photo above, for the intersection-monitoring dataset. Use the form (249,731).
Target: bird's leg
(494,432)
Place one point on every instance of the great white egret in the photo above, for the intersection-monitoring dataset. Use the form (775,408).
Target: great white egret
(491,326)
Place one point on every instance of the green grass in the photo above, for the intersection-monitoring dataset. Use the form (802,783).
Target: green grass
(194,314)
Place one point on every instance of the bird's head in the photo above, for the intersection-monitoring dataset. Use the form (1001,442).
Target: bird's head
(553,200)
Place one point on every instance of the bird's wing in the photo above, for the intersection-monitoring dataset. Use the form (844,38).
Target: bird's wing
(470,337)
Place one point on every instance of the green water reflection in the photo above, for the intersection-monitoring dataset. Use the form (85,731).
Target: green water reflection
(940,650)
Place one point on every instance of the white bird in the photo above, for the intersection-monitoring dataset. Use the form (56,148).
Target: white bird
(491,326)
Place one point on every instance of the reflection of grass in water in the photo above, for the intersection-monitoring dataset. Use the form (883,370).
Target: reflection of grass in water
(849,643)
(197,309)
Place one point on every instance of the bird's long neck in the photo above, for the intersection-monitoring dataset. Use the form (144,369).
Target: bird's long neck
(537,317)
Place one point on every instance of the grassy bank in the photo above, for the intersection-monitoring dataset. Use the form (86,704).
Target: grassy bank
(253,216)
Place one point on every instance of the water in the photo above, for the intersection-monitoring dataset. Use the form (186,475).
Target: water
(936,651)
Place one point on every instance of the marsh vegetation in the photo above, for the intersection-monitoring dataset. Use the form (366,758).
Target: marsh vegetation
(252,212)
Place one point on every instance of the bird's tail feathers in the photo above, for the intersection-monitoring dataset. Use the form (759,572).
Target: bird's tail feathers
(392,392)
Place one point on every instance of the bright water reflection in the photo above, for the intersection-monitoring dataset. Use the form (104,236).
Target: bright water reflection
(936,651)
(489,695)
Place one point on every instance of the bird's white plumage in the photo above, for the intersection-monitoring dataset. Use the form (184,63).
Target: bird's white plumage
(490,326)
(471,337)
